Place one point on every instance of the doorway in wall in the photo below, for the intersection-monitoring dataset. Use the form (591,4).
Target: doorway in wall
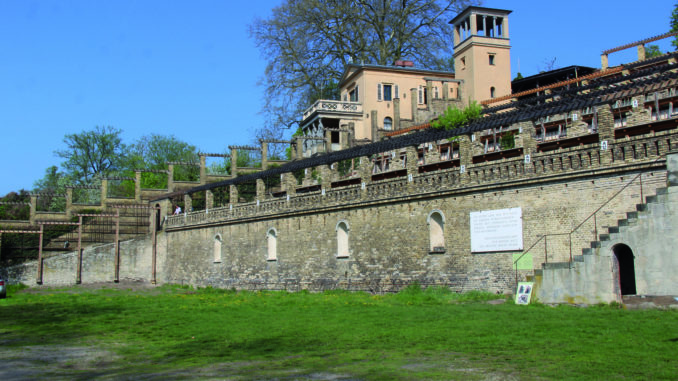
(626,271)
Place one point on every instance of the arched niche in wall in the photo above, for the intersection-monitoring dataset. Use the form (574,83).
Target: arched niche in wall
(342,229)
(436,231)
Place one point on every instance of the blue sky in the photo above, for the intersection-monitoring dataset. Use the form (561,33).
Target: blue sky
(189,68)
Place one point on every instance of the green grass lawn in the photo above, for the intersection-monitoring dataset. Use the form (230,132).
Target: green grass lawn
(174,332)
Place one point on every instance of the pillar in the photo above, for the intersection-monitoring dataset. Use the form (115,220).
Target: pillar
(603,61)
(209,199)
(137,186)
(300,147)
(429,92)
(396,114)
(465,157)
(606,132)
(414,103)
(188,203)
(233,194)
(446,90)
(69,202)
(289,183)
(672,168)
(34,204)
(641,52)
(170,178)
(234,162)
(203,170)
(260,188)
(325,176)
(411,164)
(373,117)
(264,155)
(104,192)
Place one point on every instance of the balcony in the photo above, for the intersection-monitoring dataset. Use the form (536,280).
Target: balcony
(324,106)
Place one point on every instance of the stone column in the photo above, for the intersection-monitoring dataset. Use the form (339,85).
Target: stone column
(328,140)
(104,192)
(429,92)
(446,91)
(474,27)
(672,168)
(188,203)
(325,176)
(203,170)
(373,117)
(606,132)
(300,147)
(603,61)
(641,52)
(396,114)
(465,158)
(260,189)
(233,194)
(170,178)
(414,103)
(289,183)
(527,138)
(234,162)
(137,186)
(69,202)
(411,165)
(264,155)
(350,135)
(209,200)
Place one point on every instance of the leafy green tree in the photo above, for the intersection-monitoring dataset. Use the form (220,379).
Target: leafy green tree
(455,118)
(13,210)
(518,76)
(154,151)
(308,43)
(652,51)
(674,25)
(95,153)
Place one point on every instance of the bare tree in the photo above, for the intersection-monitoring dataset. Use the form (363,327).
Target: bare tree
(308,43)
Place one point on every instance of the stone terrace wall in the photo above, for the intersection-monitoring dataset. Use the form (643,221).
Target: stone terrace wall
(388,230)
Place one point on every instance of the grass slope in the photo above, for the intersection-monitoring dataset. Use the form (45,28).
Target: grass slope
(175,332)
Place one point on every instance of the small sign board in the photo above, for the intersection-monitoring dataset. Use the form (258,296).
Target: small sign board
(524,292)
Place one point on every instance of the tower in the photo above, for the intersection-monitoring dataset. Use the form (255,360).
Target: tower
(482,52)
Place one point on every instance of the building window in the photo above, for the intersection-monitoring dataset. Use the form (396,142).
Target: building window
(491,59)
(388,123)
(422,95)
(378,91)
(388,92)
(272,245)
(463,63)
(436,95)
(217,248)
(353,95)
(492,92)
(342,239)
(436,224)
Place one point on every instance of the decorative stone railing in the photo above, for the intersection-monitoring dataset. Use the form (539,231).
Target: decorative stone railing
(582,157)
(324,105)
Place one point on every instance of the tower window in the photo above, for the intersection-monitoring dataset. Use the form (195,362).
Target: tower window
(492,92)
(491,59)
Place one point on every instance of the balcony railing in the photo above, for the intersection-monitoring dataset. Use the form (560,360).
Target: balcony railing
(322,105)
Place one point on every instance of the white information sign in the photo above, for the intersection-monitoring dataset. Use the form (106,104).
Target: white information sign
(497,230)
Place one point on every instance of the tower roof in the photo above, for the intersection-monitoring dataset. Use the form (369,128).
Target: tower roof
(474,9)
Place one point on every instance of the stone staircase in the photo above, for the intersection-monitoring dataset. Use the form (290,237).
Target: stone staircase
(589,278)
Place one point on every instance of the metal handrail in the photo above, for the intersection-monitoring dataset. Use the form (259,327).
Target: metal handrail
(592,215)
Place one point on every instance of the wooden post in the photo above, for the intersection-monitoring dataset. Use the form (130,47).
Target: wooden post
(117,246)
(39,280)
(78,277)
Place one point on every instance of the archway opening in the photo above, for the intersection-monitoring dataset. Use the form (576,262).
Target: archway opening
(626,269)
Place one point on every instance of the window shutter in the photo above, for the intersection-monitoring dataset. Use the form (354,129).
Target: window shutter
(378,91)
(421,95)
(357,97)
(396,92)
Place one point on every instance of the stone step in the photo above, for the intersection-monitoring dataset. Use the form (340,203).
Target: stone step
(587,251)
(615,229)
(632,215)
(641,207)
(662,191)
(595,244)
(603,237)
(578,258)
(556,265)
(539,272)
